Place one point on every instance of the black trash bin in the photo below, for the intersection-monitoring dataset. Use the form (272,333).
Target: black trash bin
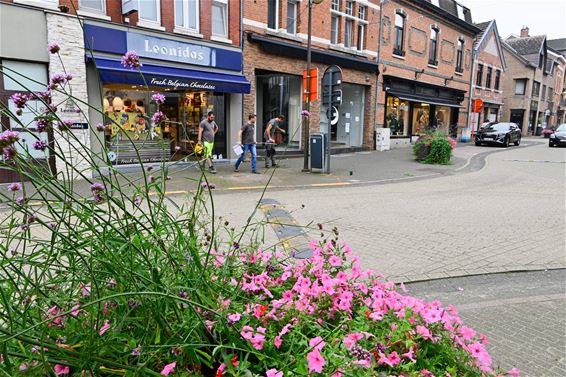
(539,131)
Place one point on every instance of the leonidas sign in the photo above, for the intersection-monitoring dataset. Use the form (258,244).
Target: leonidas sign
(168,49)
(181,84)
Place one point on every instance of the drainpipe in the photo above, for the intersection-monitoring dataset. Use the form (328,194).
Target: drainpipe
(472,80)
(377,73)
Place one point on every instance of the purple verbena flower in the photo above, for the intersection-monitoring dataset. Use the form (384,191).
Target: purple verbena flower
(8,138)
(64,125)
(56,80)
(20,200)
(68,77)
(158,98)
(97,187)
(24,227)
(137,201)
(151,179)
(52,225)
(42,124)
(136,351)
(53,48)
(305,114)
(8,153)
(20,99)
(97,198)
(158,117)
(14,187)
(40,145)
(32,218)
(131,59)
(100,127)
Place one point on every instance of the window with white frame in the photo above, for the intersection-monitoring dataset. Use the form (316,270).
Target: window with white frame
(488,74)
(334,29)
(149,11)
(460,12)
(94,6)
(435,2)
(187,14)
(220,18)
(520,86)
(497,79)
(349,8)
(336,5)
(433,50)
(399,34)
(362,14)
(291,16)
(349,33)
(272,14)
(460,56)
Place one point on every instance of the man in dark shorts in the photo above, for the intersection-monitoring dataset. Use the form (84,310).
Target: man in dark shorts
(247,140)
(270,130)
(206,131)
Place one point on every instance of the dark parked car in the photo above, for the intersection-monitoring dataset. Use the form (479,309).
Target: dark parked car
(499,133)
(558,137)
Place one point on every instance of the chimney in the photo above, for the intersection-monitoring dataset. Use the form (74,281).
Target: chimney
(525,32)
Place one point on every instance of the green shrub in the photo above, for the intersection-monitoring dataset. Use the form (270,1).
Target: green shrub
(434,148)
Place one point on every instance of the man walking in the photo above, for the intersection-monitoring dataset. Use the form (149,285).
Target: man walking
(247,141)
(271,129)
(206,131)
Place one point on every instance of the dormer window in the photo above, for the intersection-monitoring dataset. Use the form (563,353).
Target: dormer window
(460,12)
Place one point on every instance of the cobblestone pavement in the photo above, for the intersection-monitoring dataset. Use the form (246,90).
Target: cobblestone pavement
(522,315)
(508,216)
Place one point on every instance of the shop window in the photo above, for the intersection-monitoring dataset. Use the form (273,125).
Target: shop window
(433,46)
(459,55)
(497,79)
(95,6)
(220,18)
(187,14)
(421,118)
(397,116)
(24,76)
(334,29)
(149,11)
(348,34)
(130,130)
(488,77)
(520,86)
(272,14)
(399,34)
(441,119)
(291,16)
(479,74)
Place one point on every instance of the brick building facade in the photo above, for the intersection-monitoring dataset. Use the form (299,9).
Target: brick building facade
(488,75)
(426,66)
(344,33)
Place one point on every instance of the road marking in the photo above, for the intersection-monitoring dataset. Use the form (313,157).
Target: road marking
(543,161)
(290,234)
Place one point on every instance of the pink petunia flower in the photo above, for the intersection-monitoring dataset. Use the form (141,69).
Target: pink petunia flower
(273,373)
(168,369)
(316,361)
(513,372)
(351,339)
(424,332)
(335,261)
(104,327)
(317,343)
(234,317)
(61,370)
(277,341)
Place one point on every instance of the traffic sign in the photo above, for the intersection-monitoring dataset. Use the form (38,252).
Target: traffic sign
(313,85)
(478,105)
(333,115)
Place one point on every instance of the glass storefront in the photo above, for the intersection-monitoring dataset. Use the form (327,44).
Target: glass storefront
(279,94)
(407,118)
(130,131)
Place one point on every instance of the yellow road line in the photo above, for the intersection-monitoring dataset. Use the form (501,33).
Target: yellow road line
(330,184)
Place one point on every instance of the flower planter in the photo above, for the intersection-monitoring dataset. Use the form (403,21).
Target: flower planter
(422,152)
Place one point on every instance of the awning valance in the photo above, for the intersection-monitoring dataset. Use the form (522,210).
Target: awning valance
(430,100)
(176,78)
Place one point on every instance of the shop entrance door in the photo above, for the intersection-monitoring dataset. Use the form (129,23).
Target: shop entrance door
(420,118)
(517,117)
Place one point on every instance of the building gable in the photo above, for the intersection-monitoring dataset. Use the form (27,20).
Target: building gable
(490,42)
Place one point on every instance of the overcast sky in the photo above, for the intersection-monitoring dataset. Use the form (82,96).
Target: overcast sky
(541,16)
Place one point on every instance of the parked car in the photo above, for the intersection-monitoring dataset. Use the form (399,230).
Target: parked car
(547,132)
(558,137)
(499,133)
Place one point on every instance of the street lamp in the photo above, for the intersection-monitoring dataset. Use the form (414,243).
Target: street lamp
(307,103)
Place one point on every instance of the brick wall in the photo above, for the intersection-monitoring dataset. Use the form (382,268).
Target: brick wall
(114,11)
(416,47)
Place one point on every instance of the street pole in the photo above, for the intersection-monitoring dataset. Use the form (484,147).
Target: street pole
(378,62)
(307,103)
